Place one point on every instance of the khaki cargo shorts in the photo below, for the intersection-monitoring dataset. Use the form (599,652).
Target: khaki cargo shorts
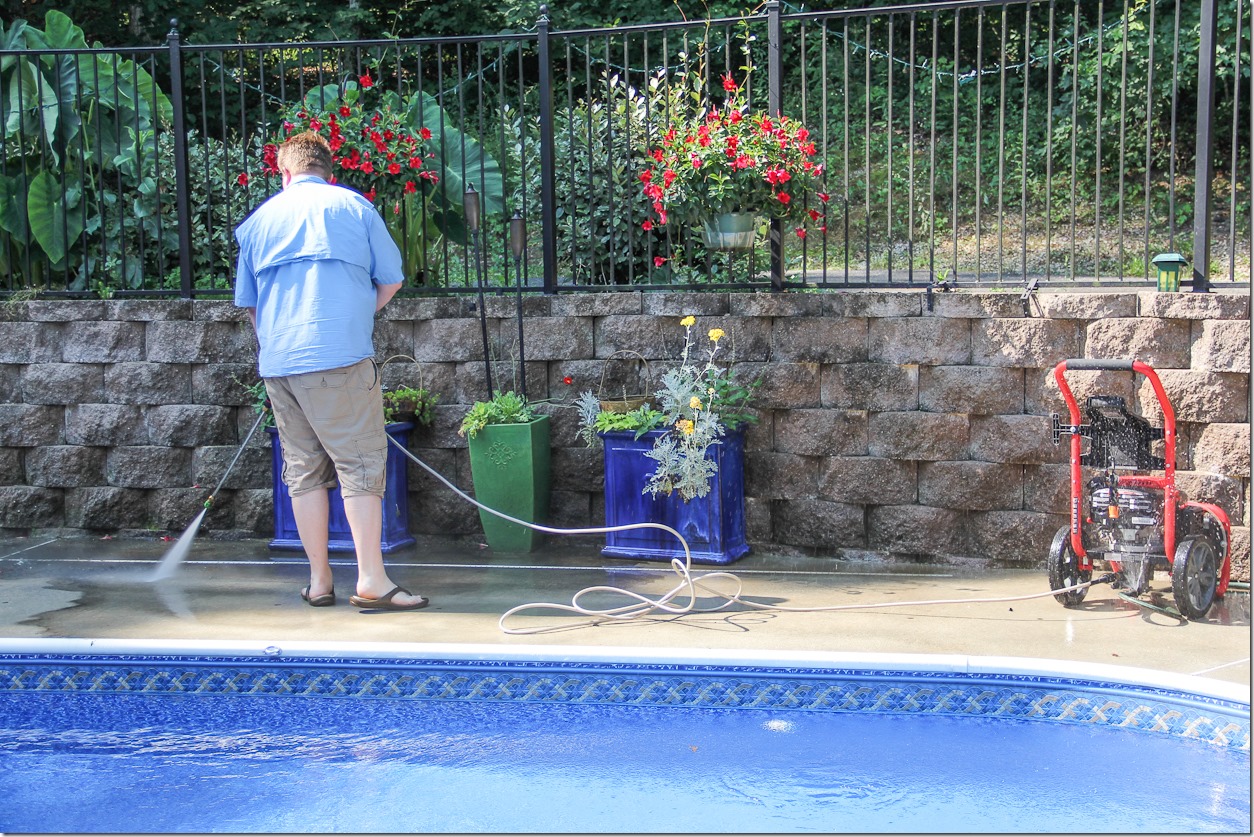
(331,427)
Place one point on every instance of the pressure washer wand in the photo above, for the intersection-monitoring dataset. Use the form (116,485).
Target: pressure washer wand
(175,555)
(261,417)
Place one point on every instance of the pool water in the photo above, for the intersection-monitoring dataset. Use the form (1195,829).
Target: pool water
(214,763)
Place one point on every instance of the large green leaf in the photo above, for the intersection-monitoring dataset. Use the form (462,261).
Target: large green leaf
(13,208)
(460,161)
(12,38)
(31,105)
(53,222)
(61,33)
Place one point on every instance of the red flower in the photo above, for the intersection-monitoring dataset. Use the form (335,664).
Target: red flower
(658,261)
(815,214)
(410,188)
(801,232)
(647,225)
(344,111)
(824,197)
(425,133)
(366,81)
(242,179)
(315,125)
(646,175)
(568,380)
(368,168)
(370,195)
(783,197)
(729,84)
(394,168)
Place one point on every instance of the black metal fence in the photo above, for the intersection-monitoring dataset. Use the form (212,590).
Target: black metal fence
(972,141)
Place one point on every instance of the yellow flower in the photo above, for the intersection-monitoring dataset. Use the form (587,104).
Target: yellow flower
(685,426)
(688,322)
(716,334)
(694,403)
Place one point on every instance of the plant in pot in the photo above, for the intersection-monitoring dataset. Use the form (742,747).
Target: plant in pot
(720,166)
(681,464)
(395,533)
(510,467)
(409,404)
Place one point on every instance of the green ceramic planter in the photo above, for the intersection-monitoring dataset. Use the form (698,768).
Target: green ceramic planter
(509,464)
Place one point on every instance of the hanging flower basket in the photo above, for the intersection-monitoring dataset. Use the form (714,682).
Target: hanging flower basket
(730,231)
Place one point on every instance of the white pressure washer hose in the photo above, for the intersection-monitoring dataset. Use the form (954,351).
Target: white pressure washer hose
(687,587)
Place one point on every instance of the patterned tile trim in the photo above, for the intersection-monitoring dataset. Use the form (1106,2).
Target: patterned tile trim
(1144,709)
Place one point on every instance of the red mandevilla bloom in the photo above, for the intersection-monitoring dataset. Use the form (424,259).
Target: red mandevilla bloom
(373,146)
(723,157)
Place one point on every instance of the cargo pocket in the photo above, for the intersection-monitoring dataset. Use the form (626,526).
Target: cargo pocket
(326,395)
(372,453)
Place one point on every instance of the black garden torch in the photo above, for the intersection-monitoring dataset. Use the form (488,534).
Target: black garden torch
(470,207)
(518,246)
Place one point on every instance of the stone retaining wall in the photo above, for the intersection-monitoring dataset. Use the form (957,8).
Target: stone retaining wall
(886,430)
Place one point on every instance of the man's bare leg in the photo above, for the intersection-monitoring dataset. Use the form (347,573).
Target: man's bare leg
(312,511)
(365,519)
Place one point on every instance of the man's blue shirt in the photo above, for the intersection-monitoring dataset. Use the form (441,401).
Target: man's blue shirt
(309,258)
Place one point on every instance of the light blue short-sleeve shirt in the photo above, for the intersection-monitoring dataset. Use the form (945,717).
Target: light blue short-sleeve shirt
(309,260)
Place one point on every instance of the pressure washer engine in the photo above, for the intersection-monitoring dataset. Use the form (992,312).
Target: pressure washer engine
(1136,521)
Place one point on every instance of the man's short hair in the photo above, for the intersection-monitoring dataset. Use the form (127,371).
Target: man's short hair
(306,152)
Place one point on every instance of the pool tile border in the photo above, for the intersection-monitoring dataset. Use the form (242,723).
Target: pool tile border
(1153,709)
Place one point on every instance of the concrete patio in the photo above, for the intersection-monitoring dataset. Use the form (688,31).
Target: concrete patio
(243,590)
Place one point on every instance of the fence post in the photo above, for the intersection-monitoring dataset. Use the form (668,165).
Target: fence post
(181,202)
(548,192)
(1205,171)
(775,104)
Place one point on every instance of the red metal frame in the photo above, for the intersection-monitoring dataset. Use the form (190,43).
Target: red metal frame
(1167,482)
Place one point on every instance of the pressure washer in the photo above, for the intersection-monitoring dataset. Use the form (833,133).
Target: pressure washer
(1136,521)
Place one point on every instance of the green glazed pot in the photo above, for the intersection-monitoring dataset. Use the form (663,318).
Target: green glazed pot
(509,464)
(730,231)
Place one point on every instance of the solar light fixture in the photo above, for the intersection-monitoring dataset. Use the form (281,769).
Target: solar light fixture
(1169,266)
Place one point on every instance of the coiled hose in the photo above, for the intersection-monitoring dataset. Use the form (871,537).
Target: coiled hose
(682,598)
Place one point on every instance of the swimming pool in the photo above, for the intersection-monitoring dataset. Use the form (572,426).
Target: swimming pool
(239,737)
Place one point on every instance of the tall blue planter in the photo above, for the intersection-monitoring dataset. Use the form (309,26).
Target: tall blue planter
(713,525)
(340,537)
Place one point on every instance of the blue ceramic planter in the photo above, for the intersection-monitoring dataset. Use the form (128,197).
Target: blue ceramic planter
(713,525)
(395,501)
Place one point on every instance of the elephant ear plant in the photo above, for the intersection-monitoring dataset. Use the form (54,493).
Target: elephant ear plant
(67,121)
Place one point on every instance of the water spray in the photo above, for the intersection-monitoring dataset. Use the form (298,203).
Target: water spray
(176,554)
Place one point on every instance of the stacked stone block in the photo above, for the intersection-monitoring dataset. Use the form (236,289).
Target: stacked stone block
(885,428)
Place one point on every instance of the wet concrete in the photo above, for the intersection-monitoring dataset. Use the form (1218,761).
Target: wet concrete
(80,588)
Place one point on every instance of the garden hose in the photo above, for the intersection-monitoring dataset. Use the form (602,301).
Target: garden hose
(1169,611)
(682,598)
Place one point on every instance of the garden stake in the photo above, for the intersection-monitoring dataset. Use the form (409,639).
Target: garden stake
(517,245)
(470,205)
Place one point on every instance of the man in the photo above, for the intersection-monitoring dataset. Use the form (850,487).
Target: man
(315,264)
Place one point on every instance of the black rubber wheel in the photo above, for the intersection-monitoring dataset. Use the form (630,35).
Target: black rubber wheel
(1064,569)
(1195,575)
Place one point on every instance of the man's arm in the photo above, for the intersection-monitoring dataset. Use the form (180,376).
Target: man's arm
(383,294)
(252,317)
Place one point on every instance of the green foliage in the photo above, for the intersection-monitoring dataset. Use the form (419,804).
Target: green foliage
(421,204)
(594,420)
(502,408)
(69,121)
(260,398)
(414,404)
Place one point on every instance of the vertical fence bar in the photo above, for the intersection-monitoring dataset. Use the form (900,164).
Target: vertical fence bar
(953,190)
(1123,131)
(1097,164)
(1149,140)
(548,191)
(1205,169)
(1171,161)
(1001,143)
(1049,143)
(1232,164)
(775,104)
(888,135)
(1075,110)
